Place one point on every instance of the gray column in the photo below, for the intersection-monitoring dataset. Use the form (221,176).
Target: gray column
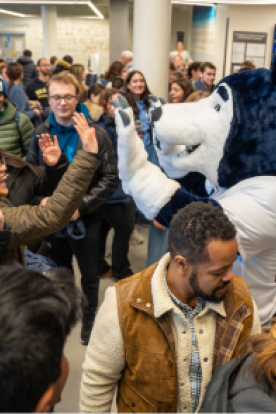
(220,39)
(49,22)
(118,28)
(151,42)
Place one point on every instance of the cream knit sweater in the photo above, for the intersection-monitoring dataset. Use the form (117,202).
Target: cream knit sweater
(105,355)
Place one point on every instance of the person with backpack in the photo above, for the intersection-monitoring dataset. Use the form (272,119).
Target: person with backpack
(15,129)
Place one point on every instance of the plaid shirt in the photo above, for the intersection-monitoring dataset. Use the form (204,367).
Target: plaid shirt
(195,371)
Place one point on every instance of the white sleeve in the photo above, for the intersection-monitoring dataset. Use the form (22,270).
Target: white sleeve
(256,326)
(255,221)
(104,359)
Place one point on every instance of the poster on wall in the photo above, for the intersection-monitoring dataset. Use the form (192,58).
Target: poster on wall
(248,46)
(7,41)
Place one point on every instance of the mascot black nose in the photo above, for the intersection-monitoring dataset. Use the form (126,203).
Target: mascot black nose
(156,115)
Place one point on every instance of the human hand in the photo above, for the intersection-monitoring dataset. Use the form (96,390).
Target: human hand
(37,111)
(43,202)
(2,220)
(51,150)
(75,216)
(86,133)
(158,225)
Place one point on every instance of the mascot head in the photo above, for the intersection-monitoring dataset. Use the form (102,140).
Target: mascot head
(229,136)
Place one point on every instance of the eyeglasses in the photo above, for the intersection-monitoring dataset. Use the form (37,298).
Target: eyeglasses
(66,98)
(45,65)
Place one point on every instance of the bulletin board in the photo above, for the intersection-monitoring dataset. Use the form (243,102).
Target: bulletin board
(248,46)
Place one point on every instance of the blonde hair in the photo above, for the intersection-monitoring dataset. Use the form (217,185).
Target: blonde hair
(197,96)
(66,78)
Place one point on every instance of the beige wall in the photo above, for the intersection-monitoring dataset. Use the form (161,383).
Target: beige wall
(77,37)
(251,19)
(181,21)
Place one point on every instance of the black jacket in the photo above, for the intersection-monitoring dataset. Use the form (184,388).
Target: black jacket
(233,389)
(105,180)
(29,70)
(23,185)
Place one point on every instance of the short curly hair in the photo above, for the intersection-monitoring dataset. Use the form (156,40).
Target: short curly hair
(194,226)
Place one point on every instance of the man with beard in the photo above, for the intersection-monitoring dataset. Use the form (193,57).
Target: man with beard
(37,89)
(161,334)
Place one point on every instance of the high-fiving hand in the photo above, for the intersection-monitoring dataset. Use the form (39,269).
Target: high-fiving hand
(86,133)
(51,150)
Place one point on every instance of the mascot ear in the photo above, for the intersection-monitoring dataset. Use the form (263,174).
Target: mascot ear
(219,96)
(273,69)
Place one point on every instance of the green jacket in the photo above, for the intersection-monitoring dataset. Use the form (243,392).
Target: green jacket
(15,138)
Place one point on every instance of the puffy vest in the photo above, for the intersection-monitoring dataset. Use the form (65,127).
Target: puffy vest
(149,381)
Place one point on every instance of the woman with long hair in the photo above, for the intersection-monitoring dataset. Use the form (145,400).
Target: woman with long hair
(180,90)
(119,209)
(116,68)
(78,71)
(16,94)
(137,95)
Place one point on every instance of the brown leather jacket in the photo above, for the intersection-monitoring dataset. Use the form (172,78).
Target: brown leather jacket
(149,381)
(28,223)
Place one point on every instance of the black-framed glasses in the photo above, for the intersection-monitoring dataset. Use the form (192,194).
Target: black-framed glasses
(58,98)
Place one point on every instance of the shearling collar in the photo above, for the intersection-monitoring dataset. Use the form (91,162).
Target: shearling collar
(162,302)
(63,63)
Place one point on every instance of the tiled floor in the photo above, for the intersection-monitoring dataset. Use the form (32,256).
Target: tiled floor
(74,350)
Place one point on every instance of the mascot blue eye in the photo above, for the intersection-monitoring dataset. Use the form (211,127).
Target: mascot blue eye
(217,107)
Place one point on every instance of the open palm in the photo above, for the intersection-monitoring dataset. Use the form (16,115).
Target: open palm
(51,150)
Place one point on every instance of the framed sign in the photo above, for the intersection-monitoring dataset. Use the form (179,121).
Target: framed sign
(248,46)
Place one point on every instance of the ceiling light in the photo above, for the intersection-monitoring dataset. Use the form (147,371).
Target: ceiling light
(12,13)
(95,10)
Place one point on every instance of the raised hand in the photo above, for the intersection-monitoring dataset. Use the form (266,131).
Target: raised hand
(86,133)
(141,179)
(51,150)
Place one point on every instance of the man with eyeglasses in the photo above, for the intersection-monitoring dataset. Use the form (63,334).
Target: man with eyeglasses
(63,95)
(36,90)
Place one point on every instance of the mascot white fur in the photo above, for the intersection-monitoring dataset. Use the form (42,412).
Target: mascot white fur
(228,143)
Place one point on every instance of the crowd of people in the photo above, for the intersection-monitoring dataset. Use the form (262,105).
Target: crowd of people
(60,195)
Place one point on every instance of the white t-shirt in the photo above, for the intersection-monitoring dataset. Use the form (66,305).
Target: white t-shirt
(185,56)
(251,206)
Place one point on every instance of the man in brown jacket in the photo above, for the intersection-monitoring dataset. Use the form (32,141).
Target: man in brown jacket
(161,334)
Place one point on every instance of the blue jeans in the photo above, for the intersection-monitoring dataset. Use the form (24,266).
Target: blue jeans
(158,239)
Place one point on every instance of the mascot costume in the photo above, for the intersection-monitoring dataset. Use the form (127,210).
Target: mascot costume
(220,150)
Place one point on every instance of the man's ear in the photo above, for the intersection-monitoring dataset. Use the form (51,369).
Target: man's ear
(45,404)
(181,263)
